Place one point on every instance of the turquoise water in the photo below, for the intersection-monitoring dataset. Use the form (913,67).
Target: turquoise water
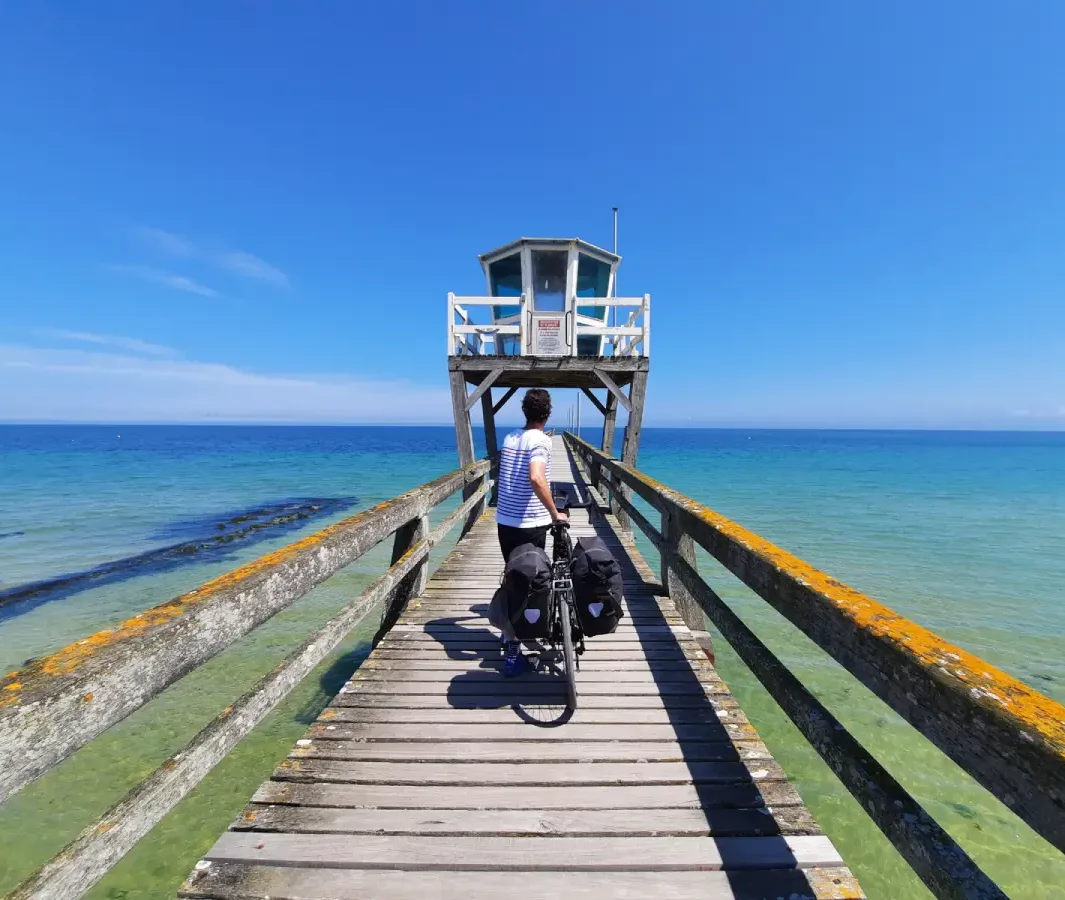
(963,532)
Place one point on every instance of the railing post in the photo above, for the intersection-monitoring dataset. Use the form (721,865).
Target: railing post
(412,585)
(479,507)
(406,537)
(683,545)
(450,323)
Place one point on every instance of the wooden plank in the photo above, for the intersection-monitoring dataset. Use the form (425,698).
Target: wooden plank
(459,637)
(529,822)
(723,710)
(446,678)
(462,603)
(463,430)
(591,666)
(510,392)
(527,774)
(649,621)
(487,383)
(596,402)
(235,881)
(454,615)
(651,655)
(768,794)
(612,387)
(465,602)
(514,690)
(569,751)
(517,730)
(570,854)
(523,703)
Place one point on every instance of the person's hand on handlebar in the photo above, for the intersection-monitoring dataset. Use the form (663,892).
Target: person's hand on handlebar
(561,517)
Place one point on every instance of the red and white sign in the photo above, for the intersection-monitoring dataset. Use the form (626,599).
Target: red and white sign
(547,336)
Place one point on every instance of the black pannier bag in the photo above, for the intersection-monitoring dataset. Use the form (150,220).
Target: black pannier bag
(597,586)
(525,593)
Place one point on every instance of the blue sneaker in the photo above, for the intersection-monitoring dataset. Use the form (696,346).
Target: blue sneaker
(514,662)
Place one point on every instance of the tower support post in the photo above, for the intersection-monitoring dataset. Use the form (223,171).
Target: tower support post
(491,442)
(464,441)
(630,447)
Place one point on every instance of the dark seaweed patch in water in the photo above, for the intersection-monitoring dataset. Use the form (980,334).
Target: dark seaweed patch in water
(204,539)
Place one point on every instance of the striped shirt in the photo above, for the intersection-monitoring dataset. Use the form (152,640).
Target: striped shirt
(518,506)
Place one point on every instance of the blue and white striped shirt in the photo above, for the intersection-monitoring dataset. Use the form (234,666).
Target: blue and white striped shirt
(518,505)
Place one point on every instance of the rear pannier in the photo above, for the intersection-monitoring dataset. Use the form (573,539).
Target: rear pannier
(525,593)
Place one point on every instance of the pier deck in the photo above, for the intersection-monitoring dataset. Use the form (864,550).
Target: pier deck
(429,775)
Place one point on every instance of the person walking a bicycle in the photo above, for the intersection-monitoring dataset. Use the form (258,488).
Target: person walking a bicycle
(525,509)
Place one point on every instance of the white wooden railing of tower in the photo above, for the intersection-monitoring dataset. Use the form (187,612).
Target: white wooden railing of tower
(630,337)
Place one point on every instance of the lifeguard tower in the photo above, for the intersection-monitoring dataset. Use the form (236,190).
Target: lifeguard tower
(550,319)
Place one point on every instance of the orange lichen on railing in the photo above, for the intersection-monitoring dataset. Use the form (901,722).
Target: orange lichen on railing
(70,658)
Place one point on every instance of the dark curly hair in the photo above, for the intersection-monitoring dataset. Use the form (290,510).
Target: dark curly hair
(536,405)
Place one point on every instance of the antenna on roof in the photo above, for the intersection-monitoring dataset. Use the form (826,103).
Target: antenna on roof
(614,308)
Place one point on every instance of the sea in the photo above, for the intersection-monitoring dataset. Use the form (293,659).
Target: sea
(964,532)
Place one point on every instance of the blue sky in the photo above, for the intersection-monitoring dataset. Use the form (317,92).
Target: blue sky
(847,214)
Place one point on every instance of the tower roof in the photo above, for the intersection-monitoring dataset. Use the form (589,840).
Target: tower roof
(592,249)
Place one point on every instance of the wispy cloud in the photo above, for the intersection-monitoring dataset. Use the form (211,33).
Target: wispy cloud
(239,262)
(131,345)
(168,279)
(166,241)
(1045,413)
(133,385)
(252,267)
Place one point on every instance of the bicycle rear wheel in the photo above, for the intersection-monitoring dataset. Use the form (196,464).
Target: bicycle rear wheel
(569,655)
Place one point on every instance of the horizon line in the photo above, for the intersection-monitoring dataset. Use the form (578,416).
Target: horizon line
(267,423)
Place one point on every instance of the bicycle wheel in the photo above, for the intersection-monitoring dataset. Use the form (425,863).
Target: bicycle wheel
(569,656)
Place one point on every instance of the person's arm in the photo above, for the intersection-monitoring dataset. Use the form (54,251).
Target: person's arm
(538,480)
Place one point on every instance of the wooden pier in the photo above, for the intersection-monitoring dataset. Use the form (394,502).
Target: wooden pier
(430,775)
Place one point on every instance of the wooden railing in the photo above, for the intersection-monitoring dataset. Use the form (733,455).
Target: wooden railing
(60,702)
(629,337)
(1007,736)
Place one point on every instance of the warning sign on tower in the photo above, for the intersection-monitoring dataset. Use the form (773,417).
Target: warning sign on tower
(547,336)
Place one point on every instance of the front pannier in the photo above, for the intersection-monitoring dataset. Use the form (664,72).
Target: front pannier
(596,586)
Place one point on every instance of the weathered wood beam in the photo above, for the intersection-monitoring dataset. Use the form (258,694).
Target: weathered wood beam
(609,424)
(407,536)
(941,863)
(630,449)
(56,704)
(491,441)
(1008,736)
(489,380)
(611,386)
(463,429)
(95,851)
(503,402)
(681,545)
(596,402)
